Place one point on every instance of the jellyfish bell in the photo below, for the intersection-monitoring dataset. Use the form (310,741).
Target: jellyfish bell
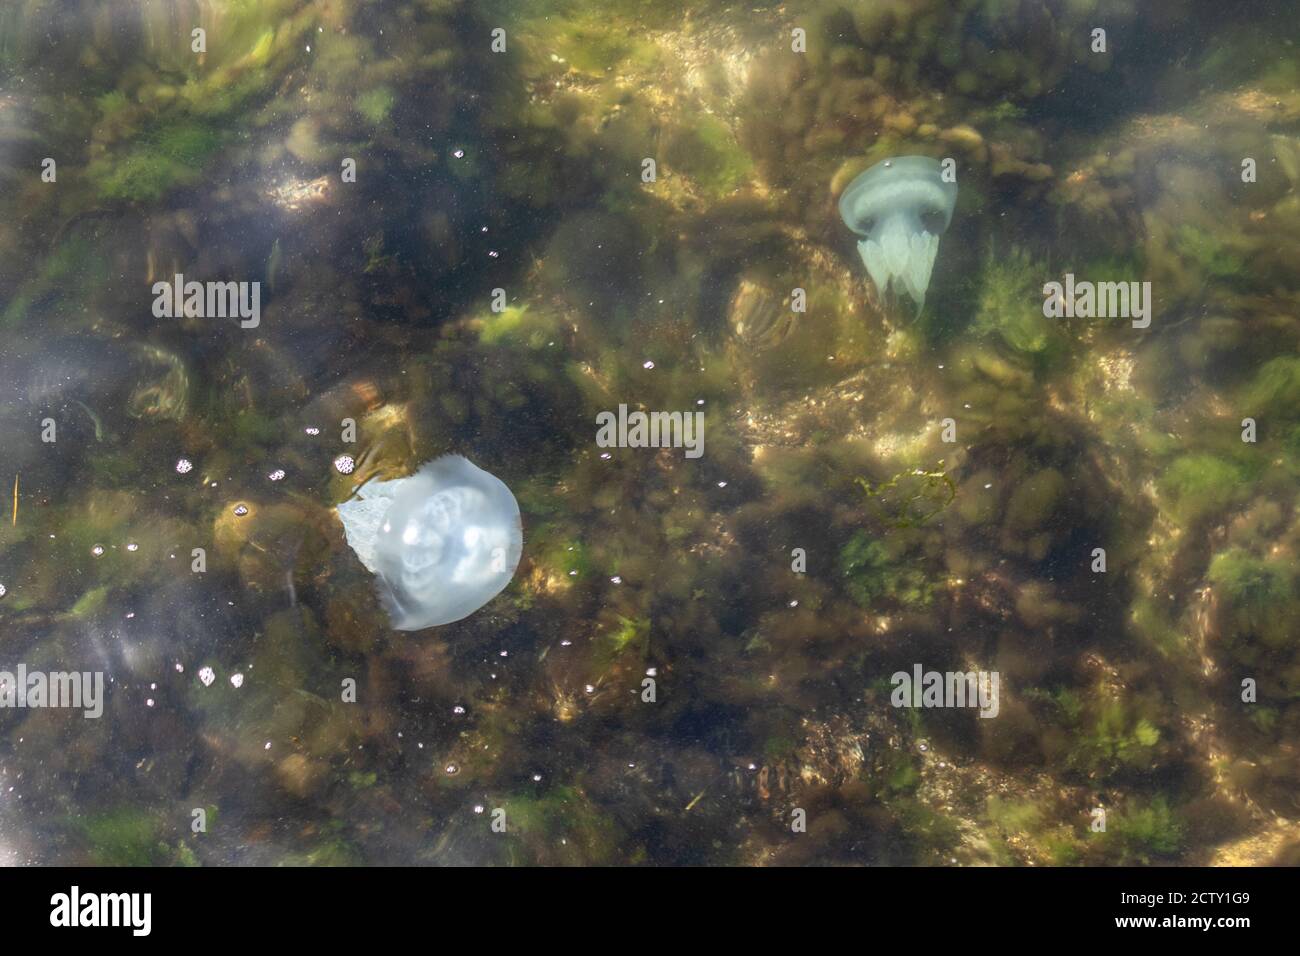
(900,207)
(441,543)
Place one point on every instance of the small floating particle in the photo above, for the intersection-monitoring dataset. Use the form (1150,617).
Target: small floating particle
(207,676)
(344,464)
(312,430)
(183,466)
(458,709)
(241,510)
(132,547)
(237,680)
(276,475)
(647,364)
(458,153)
(616,580)
(451,768)
(3,590)
(149,702)
(97,550)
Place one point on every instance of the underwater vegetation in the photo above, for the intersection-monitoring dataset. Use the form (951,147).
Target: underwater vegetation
(686,649)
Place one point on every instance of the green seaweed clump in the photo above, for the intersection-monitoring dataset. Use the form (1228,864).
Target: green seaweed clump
(1011,304)
(1136,836)
(872,573)
(122,837)
(706,151)
(158,162)
(376,104)
(911,498)
(1210,256)
(1198,485)
(563,828)
(1276,388)
(1260,593)
(1116,738)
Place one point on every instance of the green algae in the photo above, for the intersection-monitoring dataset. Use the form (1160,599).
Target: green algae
(872,571)
(589,252)
(1115,737)
(1199,484)
(165,158)
(1275,389)
(1010,304)
(910,499)
(1260,593)
(1145,833)
(562,827)
(706,151)
(377,104)
(122,837)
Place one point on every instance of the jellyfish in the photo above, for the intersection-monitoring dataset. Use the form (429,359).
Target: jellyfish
(901,206)
(441,543)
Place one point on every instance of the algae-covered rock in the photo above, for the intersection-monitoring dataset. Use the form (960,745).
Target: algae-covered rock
(1036,500)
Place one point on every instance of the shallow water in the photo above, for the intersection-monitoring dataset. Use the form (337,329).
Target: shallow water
(632,207)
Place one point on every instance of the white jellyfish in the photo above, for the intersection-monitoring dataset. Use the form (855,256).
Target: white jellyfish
(901,206)
(441,543)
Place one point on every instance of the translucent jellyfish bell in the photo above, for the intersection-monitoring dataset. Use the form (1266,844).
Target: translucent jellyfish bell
(441,543)
(901,206)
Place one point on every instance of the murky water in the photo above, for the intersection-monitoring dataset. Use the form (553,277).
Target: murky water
(526,232)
